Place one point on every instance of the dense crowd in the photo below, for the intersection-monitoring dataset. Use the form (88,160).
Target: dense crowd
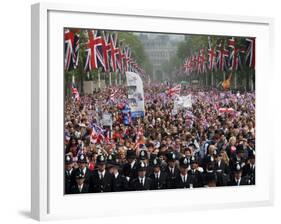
(201,146)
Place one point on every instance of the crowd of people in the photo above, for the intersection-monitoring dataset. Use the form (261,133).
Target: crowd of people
(201,146)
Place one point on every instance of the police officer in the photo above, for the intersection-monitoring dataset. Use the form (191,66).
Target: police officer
(80,187)
(68,174)
(159,178)
(119,181)
(130,168)
(82,167)
(183,180)
(209,171)
(143,157)
(102,179)
(141,182)
(238,180)
(171,170)
(250,168)
(196,172)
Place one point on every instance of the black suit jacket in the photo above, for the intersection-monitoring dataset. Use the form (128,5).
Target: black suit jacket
(197,178)
(244,181)
(101,185)
(137,186)
(88,175)
(250,172)
(69,181)
(75,189)
(161,182)
(187,184)
(120,183)
(223,167)
(172,177)
(130,172)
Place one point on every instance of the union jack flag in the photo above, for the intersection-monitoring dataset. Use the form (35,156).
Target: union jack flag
(234,57)
(174,90)
(251,52)
(114,50)
(71,50)
(212,59)
(128,54)
(223,55)
(98,134)
(96,52)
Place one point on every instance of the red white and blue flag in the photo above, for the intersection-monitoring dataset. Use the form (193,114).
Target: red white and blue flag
(174,91)
(251,52)
(71,50)
(96,52)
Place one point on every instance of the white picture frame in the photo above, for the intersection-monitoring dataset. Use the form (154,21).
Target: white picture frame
(48,201)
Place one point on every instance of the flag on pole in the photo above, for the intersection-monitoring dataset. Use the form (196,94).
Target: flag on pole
(251,52)
(174,90)
(71,50)
(96,51)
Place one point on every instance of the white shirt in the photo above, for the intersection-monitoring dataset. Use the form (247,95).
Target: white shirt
(69,171)
(116,175)
(238,181)
(101,173)
(133,163)
(172,169)
(142,180)
(80,187)
(184,178)
(157,175)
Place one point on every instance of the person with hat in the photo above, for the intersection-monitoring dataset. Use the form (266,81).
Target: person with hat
(209,169)
(119,181)
(82,167)
(183,180)
(171,170)
(249,170)
(68,174)
(130,168)
(143,156)
(80,186)
(141,182)
(196,172)
(102,179)
(237,179)
(159,178)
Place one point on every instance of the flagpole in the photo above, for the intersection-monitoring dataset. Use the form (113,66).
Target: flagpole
(115,78)
(99,79)
(235,80)
(251,79)
(73,78)
(120,80)
(212,79)
(110,79)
